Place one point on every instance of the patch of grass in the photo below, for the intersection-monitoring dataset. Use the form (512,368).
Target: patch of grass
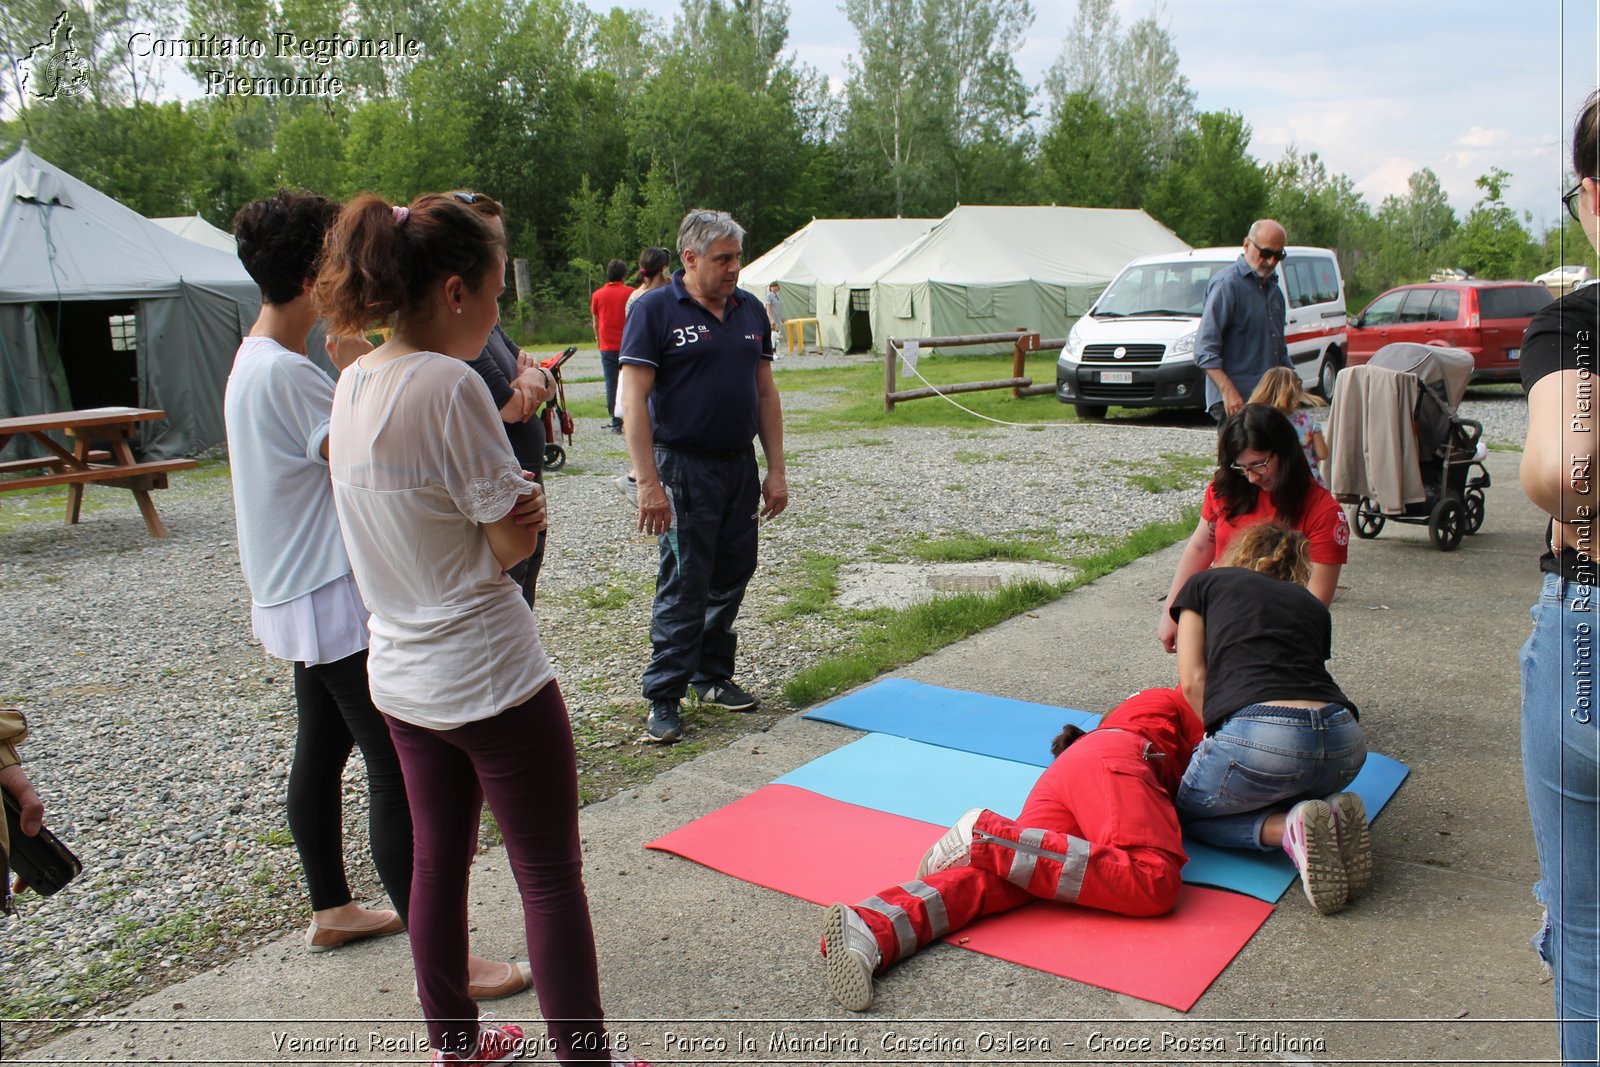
(489,835)
(1501,446)
(819,580)
(917,631)
(973,548)
(1182,472)
(860,395)
(604,597)
(277,838)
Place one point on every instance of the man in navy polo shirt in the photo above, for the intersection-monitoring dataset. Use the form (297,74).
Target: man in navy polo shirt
(697,360)
(1241,327)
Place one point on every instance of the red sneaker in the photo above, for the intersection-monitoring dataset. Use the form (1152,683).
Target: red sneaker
(496,1044)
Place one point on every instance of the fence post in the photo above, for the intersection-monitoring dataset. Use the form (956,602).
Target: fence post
(1026,342)
(888,375)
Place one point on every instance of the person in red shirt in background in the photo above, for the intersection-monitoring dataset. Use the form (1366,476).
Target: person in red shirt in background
(608,306)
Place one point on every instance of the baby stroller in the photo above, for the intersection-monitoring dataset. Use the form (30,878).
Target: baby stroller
(558,420)
(1399,451)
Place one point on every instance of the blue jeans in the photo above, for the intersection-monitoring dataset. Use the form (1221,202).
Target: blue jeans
(1260,761)
(706,562)
(1561,769)
(610,367)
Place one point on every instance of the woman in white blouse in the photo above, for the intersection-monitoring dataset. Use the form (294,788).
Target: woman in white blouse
(434,509)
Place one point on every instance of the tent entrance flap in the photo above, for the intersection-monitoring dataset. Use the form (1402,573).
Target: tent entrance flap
(99,351)
(859,337)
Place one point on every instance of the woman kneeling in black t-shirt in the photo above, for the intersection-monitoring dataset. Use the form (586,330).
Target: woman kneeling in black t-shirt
(1252,644)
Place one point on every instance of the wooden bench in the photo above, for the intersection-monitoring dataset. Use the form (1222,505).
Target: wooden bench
(84,465)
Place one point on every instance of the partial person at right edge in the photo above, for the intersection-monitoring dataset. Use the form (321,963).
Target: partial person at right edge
(1241,333)
(1560,734)
(697,360)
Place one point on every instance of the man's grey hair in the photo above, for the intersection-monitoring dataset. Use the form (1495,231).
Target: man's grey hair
(701,229)
(1255,227)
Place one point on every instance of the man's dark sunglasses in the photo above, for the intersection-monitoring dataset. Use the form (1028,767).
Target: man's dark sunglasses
(1273,254)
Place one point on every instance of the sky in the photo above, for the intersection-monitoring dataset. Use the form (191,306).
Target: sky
(1378,89)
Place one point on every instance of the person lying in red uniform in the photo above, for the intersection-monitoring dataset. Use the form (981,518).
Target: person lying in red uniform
(1098,829)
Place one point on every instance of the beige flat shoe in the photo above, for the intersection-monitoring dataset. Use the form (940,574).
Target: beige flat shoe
(321,938)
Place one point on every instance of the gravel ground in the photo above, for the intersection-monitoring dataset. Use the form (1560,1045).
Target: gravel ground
(162,733)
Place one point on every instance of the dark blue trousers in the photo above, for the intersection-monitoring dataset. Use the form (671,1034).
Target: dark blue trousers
(707,559)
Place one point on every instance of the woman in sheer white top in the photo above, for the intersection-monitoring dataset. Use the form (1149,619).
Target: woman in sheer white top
(434,508)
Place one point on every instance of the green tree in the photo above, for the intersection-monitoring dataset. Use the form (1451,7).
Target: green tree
(1087,158)
(1492,242)
(1213,190)
(932,99)
(660,211)
(1315,207)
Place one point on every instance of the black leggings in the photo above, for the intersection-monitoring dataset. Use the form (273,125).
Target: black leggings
(335,712)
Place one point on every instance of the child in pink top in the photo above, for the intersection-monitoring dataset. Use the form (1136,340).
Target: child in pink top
(1280,388)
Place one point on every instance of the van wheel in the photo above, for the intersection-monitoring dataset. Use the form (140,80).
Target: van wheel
(1090,412)
(1331,366)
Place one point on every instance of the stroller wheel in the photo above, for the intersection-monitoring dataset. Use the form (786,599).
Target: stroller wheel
(1369,520)
(555,457)
(1474,510)
(1447,523)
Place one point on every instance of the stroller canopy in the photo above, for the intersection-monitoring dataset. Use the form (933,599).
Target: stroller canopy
(1444,372)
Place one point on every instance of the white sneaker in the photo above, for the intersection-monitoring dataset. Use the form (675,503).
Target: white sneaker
(1311,841)
(1355,840)
(954,849)
(628,487)
(852,956)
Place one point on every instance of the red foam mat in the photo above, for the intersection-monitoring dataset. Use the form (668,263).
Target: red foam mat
(824,850)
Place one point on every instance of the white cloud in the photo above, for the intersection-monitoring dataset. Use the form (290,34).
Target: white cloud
(1482,137)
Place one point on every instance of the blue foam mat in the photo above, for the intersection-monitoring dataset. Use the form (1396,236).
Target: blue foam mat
(936,784)
(1007,729)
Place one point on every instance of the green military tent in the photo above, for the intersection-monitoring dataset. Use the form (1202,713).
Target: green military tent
(99,306)
(994,269)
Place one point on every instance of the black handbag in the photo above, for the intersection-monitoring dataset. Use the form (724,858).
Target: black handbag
(41,861)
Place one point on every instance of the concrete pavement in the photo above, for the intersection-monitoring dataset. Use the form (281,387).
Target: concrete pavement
(1431,965)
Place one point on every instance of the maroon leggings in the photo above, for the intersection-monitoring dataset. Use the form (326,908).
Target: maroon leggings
(521,761)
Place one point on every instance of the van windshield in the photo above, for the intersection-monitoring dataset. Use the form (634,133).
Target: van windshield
(1154,289)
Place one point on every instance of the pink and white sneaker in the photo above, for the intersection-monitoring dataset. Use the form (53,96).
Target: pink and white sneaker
(1311,841)
(1355,840)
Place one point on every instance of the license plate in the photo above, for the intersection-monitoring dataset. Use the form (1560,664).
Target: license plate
(1116,377)
(1513,353)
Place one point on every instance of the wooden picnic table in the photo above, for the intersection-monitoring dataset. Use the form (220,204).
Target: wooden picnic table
(83,464)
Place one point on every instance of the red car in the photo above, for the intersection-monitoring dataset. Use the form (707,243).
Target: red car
(1486,319)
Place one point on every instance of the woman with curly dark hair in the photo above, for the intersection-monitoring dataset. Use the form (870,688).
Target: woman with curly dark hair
(1262,475)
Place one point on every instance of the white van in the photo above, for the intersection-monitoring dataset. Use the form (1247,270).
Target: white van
(1135,347)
